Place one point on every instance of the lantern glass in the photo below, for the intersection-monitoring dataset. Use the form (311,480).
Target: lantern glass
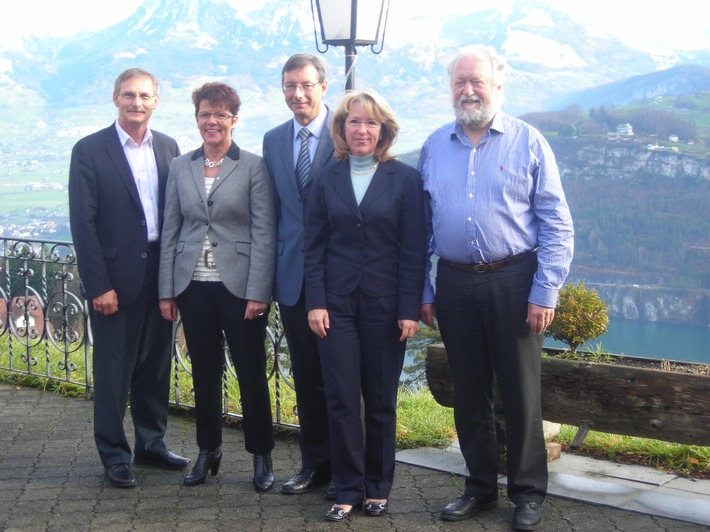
(336,19)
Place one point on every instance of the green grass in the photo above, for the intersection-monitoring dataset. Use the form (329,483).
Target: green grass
(421,421)
(686,460)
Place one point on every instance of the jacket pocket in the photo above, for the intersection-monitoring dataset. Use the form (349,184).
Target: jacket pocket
(243,248)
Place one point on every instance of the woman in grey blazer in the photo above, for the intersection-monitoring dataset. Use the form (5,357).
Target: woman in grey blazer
(217,258)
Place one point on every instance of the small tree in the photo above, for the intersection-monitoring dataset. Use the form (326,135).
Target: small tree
(581,316)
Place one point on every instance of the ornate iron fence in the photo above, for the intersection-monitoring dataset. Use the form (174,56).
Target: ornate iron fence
(45,330)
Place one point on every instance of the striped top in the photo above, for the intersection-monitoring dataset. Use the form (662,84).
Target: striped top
(496,199)
(206,269)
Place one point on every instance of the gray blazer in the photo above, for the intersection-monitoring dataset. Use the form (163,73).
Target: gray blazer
(238,216)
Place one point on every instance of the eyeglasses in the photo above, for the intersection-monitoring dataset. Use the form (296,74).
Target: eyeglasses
(369,124)
(130,96)
(222,117)
(290,88)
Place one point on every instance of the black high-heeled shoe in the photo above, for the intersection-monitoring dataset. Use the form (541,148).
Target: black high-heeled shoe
(338,513)
(263,472)
(206,461)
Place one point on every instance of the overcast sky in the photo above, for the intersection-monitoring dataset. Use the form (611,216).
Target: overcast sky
(678,24)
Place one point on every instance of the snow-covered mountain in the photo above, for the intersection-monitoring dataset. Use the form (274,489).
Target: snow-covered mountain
(68,81)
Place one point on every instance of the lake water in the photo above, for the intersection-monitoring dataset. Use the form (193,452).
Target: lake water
(668,341)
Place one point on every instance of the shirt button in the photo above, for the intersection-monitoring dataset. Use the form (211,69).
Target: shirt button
(210,202)
(470,195)
(469,218)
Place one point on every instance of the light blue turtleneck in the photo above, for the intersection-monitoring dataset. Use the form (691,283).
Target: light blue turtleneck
(360,163)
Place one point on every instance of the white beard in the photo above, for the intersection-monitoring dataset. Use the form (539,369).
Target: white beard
(478,118)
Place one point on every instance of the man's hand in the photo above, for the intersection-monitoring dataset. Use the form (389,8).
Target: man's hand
(539,318)
(428,314)
(106,304)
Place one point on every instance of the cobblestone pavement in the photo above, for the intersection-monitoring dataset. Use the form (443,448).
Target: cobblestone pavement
(51,479)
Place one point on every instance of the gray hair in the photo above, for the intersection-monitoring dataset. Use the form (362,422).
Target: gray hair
(132,73)
(499,65)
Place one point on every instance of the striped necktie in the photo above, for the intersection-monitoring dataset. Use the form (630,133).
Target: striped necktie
(303,163)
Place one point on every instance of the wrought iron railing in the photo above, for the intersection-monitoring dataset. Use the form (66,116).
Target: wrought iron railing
(45,330)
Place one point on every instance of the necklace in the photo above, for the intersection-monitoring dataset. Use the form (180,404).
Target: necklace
(365,172)
(212,164)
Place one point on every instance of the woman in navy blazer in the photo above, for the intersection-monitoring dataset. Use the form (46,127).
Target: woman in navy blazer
(364,269)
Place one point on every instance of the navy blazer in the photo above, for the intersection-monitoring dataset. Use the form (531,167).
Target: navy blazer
(290,205)
(378,247)
(108,225)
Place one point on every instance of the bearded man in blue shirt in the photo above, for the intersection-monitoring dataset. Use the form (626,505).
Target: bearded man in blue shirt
(501,227)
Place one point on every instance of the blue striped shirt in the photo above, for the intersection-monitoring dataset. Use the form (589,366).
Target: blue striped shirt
(498,198)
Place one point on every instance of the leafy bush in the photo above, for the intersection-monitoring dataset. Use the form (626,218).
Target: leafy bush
(581,316)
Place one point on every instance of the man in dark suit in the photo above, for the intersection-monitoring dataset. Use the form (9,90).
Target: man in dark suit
(304,84)
(117,183)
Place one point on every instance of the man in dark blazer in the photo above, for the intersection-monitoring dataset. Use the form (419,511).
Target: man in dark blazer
(304,84)
(117,183)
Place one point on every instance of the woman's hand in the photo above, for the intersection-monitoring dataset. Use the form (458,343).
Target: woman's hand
(255,309)
(408,327)
(319,321)
(168,309)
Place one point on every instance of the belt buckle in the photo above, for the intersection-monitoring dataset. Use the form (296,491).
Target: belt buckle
(480,268)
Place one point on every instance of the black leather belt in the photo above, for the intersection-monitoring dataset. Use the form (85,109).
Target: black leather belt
(488,266)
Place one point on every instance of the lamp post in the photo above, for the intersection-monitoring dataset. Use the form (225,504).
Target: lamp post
(350,23)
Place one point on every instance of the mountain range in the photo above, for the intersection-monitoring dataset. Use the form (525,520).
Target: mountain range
(67,82)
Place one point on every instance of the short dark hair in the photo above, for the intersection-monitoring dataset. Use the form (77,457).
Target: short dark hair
(299,61)
(132,73)
(217,94)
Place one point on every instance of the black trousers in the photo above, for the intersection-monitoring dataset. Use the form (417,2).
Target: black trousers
(208,311)
(308,380)
(482,321)
(362,356)
(131,357)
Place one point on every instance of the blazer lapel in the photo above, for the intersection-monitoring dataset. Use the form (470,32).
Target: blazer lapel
(344,186)
(381,181)
(226,171)
(197,169)
(115,151)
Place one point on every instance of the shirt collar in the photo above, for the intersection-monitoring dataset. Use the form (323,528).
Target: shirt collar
(125,137)
(315,127)
(497,125)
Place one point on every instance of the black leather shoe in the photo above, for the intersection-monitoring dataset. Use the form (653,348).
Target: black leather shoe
(527,516)
(375,509)
(465,507)
(330,491)
(306,480)
(120,476)
(206,461)
(336,513)
(263,472)
(165,460)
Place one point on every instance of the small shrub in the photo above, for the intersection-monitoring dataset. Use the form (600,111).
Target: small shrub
(581,316)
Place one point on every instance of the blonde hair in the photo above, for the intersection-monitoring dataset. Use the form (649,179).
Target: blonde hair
(377,109)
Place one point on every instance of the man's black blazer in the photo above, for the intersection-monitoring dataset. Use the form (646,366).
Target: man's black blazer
(108,225)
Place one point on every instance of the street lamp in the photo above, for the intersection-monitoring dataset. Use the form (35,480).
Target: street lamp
(350,23)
